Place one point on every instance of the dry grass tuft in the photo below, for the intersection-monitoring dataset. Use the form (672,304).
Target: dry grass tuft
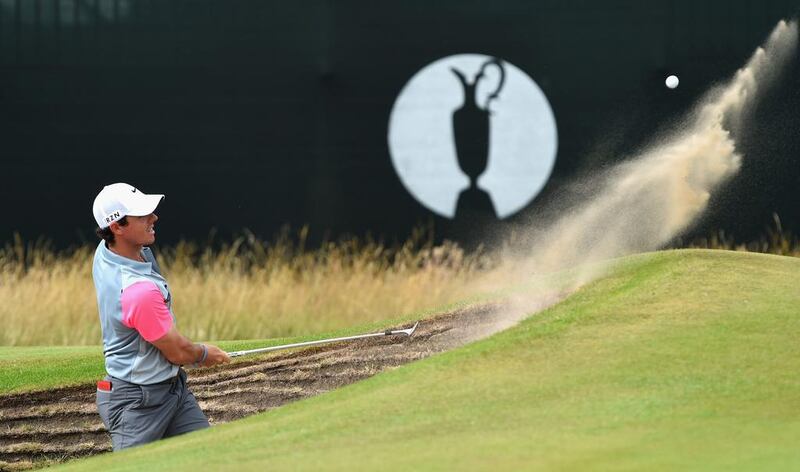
(251,289)
(244,290)
(776,240)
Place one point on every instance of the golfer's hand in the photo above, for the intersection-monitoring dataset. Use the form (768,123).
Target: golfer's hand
(215,356)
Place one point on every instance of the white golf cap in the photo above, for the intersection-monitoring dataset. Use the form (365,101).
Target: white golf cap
(116,201)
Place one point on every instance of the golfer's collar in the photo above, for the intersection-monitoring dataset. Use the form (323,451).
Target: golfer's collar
(112,256)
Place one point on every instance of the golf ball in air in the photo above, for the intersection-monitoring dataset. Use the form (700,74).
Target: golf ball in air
(672,81)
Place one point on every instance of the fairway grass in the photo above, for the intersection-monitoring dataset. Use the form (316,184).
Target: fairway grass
(676,360)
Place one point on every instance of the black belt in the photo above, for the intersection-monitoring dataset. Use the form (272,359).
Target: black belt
(171,380)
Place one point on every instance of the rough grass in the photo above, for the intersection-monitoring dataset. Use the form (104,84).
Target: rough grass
(681,360)
(251,289)
(775,240)
(245,290)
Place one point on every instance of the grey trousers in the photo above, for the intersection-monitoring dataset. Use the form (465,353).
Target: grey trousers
(138,414)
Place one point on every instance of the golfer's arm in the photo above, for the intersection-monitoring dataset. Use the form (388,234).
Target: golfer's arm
(177,348)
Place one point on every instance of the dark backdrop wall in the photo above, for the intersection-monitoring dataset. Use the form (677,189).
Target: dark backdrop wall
(257,114)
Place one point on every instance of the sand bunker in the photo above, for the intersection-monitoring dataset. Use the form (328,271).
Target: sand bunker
(57,425)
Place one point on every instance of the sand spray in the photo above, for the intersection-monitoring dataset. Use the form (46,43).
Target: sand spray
(649,199)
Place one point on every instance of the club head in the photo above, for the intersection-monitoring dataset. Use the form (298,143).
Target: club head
(409,331)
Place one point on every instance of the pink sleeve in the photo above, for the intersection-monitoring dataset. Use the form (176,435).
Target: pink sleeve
(144,309)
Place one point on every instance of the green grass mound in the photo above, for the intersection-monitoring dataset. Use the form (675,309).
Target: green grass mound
(676,360)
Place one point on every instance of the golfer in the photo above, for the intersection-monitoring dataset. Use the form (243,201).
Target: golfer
(144,396)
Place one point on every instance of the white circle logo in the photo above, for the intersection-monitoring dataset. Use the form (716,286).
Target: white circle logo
(472,133)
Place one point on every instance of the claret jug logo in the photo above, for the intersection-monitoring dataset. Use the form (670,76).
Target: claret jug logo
(472,135)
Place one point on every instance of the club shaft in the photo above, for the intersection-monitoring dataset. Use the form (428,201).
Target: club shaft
(309,343)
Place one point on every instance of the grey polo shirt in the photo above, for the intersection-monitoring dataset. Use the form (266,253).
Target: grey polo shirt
(129,356)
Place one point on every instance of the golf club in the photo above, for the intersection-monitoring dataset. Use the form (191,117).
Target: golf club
(407,332)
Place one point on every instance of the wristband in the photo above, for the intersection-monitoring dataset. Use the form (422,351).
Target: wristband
(203,356)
